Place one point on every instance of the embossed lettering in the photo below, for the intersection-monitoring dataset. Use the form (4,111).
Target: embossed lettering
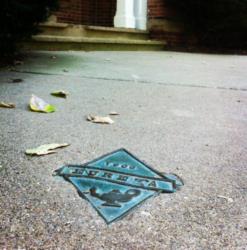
(132,167)
(141,181)
(107,175)
(119,165)
(92,173)
(77,171)
(152,184)
(122,178)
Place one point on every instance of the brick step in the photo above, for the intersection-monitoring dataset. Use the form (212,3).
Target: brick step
(64,29)
(51,42)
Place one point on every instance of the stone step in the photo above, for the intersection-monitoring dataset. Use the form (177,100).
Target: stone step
(64,29)
(117,33)
(51,42)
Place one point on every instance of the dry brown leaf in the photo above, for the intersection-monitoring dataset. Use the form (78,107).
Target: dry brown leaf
(18,62)
(60,93)
(7,105)
(100,119)
(17,80)
(114,113)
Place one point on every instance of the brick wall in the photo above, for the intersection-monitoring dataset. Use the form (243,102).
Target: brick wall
(102,11)
(73,11)
(88,12)
(162,24)
(159,9)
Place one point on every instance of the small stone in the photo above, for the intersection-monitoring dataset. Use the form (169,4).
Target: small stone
(230,200)
(145,213)
(68,223)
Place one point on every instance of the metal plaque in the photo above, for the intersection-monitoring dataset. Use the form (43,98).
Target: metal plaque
(117,182)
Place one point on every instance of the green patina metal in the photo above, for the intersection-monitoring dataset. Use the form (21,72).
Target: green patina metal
(117,182)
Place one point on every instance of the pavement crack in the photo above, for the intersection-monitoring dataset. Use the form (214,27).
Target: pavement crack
(135,81)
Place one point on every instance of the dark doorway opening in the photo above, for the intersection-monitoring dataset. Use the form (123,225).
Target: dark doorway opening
(102,12)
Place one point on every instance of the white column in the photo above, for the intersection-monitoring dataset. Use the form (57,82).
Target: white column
(124,17)
(141,14)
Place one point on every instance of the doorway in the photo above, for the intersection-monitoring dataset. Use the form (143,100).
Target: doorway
(102,12)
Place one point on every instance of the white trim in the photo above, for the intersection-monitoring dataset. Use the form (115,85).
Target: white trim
(124,17)
(131,14)
(141,14)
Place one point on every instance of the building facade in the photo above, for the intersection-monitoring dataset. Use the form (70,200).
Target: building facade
(151,15)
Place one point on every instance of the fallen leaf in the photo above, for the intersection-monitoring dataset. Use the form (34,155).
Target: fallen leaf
(18,62)
(12,68)
(17,80)
(114,113)
(100,119)
(39,105)
(45,149)
(230,200)
(60,93)
(7,105)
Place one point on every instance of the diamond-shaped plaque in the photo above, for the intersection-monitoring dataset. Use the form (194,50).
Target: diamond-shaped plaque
(117,182)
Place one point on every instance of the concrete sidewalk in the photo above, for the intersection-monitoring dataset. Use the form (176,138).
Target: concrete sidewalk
(181,113)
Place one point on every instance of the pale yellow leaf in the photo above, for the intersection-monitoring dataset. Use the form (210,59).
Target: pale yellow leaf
(39,105)
(100,119)
(45,149)
(7,105)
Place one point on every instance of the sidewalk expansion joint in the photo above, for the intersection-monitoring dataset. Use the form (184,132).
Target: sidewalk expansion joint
(134,81)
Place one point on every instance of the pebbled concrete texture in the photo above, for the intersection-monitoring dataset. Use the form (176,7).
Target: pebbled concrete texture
(181,113)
